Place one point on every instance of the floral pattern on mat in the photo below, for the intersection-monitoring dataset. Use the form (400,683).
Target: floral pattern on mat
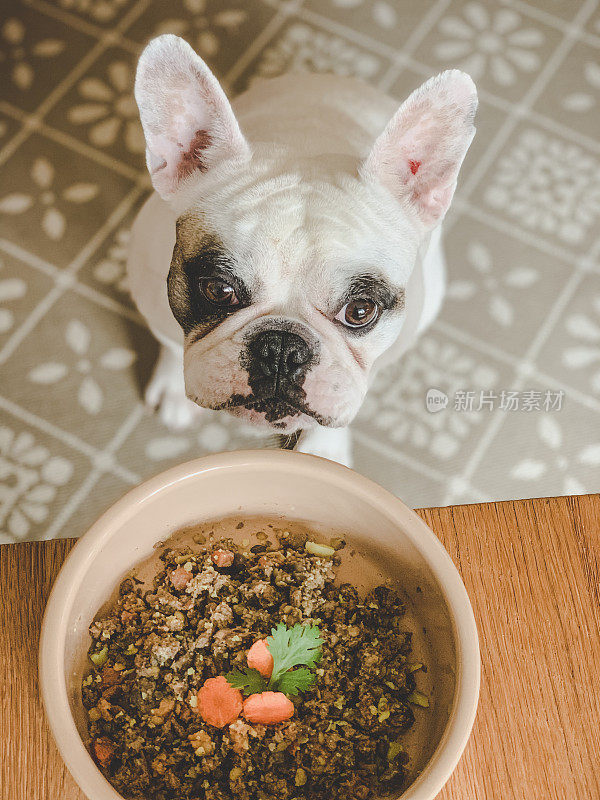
(30,477)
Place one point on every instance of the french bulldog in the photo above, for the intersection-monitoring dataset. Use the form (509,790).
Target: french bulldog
(292,246)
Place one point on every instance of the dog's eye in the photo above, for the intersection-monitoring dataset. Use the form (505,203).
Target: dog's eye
(218,292)
(358,313)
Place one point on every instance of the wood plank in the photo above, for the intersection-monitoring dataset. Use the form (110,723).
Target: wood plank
(30,765)
(532,570)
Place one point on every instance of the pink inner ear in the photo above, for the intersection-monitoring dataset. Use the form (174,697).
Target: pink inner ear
(175,157)
(418,155)
(434,203)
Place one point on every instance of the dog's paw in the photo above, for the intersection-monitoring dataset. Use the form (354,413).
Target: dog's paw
(332,443)
(166,393)
(174,408)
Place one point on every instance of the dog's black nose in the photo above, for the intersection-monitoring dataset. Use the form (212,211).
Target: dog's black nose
(280,354)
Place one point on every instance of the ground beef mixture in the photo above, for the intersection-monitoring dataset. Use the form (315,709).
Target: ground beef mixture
(206,607)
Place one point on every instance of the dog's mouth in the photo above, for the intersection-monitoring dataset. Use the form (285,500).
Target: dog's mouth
(274,408)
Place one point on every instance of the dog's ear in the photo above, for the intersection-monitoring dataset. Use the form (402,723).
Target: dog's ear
(418,155)
(187,120)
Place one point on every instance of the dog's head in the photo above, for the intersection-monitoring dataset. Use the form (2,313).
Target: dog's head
(289,273)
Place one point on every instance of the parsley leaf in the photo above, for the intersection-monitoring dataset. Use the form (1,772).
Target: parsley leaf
(294,651)
(292,647)
(250,681)
(296,680)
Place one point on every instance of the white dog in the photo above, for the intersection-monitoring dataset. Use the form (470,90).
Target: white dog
(293,244)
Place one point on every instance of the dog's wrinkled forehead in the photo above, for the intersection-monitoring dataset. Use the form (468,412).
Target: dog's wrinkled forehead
(277,227)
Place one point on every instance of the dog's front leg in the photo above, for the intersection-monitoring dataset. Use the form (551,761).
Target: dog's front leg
(166,390)
(332,443)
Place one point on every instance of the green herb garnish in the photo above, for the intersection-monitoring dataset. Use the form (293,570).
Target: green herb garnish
(394,750)
(100,657)
(294,651)
(293,647)
(249,681)
(418,699)
(295,681)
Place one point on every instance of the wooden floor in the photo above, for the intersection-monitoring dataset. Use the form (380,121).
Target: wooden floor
(532,571)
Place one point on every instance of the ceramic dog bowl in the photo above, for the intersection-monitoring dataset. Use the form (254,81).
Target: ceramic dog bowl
(296,486)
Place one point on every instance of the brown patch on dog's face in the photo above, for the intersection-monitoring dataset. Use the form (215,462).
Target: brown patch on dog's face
(199,257)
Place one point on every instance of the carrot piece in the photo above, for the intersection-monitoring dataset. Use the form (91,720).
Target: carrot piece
(260,658)
(110,677)
(219,703)
(223,558)
(268,707)
(180,577)
(103,750)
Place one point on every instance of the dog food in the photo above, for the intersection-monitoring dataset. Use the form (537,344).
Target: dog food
(248,671)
